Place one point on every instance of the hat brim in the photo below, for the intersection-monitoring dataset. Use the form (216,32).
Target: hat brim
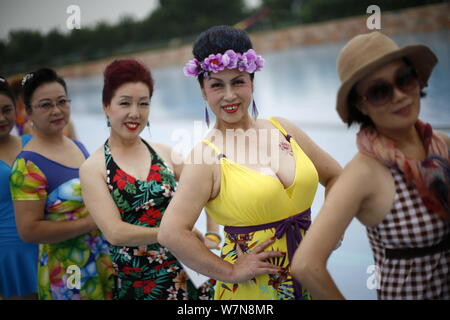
(423,59)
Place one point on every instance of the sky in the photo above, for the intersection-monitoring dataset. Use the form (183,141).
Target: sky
(44,15)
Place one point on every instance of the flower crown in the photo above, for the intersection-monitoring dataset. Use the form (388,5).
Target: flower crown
(248,62)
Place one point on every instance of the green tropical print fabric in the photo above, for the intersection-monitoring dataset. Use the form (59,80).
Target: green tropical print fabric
(148,272)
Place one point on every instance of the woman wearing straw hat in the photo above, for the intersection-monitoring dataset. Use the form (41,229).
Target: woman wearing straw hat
(398,183)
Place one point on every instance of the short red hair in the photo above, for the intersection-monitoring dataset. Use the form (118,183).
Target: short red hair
(124,71)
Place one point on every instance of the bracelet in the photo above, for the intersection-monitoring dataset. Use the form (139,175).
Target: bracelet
(213,236)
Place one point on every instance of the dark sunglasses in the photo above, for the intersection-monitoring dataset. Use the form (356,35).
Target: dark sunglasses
(382,91)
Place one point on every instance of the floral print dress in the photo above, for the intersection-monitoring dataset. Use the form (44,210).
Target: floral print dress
(76,269)
(147,272)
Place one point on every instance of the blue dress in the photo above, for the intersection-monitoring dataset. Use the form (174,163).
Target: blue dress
(18,259)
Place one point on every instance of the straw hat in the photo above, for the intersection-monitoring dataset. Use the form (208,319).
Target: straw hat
(365,53)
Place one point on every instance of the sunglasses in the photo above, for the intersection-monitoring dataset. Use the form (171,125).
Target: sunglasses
(382,91)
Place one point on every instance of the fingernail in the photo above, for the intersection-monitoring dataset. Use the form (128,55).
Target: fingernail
(273,238)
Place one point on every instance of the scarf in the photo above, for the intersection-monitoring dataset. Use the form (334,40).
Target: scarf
(431,177)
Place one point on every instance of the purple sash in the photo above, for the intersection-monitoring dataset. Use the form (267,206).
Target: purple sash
(291,227)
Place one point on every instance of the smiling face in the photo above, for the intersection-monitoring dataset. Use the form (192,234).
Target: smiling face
(129,109)
(229,94)
(48,111)
(7,115)
(401,110)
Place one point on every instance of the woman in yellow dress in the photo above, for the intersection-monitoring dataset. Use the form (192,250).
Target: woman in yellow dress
(257,177)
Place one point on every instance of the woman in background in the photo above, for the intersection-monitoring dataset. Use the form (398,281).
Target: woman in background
(74,261)
(18,259)
(23,124)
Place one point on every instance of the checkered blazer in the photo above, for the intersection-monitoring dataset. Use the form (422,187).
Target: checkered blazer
(410,225)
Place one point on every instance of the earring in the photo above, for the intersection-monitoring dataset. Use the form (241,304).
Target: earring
(206,115)
(255,112)
(108,124)
(148,126)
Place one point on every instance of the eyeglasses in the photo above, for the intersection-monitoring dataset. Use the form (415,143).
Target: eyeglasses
(382,91)
(47,105)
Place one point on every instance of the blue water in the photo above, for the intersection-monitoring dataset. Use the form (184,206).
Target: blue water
(299,84)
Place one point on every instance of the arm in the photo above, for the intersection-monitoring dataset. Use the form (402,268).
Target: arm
(34,228)
(104,210)
(28,190)
(194,191)
(213,240)
(327,167)
(343,203)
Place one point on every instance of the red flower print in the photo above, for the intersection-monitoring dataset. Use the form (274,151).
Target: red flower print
(128,270)
(122,178)
(150,216)
(148,285)
(154,173)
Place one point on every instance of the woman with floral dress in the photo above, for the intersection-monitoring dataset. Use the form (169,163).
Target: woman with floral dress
(74,262)
(127,185)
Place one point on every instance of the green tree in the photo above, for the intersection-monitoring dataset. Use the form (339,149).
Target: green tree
(180,18)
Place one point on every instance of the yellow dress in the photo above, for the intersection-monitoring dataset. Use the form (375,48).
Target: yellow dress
(255,207)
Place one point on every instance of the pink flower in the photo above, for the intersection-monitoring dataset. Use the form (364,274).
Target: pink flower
(214,63)
(230,59)
(191,69)
(247,62)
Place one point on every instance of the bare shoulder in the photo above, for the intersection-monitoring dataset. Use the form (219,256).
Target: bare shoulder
(288,125)
(366,173)
(162,150)
(95,163)
(373,184)
(202,154)
(444,137)
(295,131)
(364,165)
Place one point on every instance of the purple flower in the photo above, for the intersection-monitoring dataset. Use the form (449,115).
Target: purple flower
(248,62)
(259,63)
(214,63)
(191,69)
(230,59)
